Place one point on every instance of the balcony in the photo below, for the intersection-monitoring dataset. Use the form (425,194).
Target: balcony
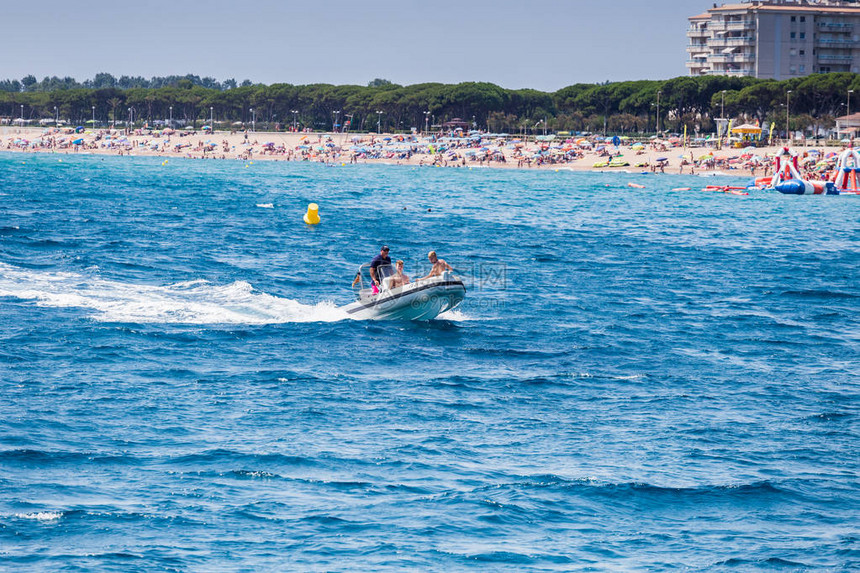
(698,33)
(741,72)
(834,57)
(739,26)
(732,41)
(838,42)
(840,27)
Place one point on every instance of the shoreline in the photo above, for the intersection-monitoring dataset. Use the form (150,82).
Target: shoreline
(407,150)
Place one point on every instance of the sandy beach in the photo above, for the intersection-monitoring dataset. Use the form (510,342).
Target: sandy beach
(443,150)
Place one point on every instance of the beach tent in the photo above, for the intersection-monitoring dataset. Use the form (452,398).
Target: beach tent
(748,129)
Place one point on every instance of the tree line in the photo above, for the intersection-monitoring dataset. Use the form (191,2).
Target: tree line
(614,107)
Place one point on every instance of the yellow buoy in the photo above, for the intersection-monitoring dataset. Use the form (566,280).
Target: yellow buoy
(312,217)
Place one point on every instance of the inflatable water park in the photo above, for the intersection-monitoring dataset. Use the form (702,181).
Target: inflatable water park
(787,179)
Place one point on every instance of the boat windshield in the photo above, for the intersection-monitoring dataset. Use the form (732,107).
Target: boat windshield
(363,280)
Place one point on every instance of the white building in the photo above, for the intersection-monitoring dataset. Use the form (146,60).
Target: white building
(775,39)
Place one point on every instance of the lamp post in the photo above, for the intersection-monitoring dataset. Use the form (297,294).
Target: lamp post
(56,116)
(130,122)
(295,113)
(378,121)
(787,108)
(211,119)
(426,122)
(253,120)
(848,103)
(334,124)
(171,116)
(22,114)
(94,116)
(658,111)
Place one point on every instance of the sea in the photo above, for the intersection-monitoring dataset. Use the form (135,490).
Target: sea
(662,378)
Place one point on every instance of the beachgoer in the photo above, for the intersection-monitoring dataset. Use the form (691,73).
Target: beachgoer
(398,279)
(380,267)
(439,266)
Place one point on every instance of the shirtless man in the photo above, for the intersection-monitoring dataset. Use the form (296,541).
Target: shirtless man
(439,266)
(399,279)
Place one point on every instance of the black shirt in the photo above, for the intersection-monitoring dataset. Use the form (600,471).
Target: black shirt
(384,262)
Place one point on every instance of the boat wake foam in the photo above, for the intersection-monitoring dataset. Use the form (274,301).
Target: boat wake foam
(193,302)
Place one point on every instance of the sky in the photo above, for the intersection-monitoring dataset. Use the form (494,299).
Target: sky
(539,44)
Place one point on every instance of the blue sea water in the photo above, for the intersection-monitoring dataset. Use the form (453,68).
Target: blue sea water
(638,379)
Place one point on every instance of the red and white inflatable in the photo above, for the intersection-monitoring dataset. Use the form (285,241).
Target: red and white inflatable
(784,167)
(848,172)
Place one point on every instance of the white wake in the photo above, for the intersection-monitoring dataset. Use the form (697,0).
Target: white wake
(193,302)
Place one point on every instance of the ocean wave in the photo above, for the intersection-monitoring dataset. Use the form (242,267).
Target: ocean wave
(190,302)
(819,293)
(44,516)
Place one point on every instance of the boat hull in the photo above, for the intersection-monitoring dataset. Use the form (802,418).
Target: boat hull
(416,301)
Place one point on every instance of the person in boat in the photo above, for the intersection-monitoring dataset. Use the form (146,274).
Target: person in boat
(399,279)
(380,267)
(439,266)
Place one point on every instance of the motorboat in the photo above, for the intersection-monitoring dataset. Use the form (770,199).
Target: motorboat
(420,300)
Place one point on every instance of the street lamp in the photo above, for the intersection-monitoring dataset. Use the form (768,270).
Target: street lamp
(848,103)
(171,116)
(211,119)
(295,113)
(253,120)
(334,124)
(378,121)
(56,116)
(658,111)
(787,108)
(426,122)
(130,123)
(22,114)
(94,116)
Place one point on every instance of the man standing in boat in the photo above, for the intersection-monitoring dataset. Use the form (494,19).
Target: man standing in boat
(380,267)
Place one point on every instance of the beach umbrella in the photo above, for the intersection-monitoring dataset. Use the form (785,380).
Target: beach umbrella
(616,141)
(77,141)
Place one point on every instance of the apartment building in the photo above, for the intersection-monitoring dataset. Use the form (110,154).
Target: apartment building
(775,39)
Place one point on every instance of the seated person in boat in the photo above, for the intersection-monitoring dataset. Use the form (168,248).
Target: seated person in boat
(398,279)
(439,266)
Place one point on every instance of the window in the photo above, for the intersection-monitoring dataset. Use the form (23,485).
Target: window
(794,19)
(792,70)
(802,69)
(803,18)
(803,35)
(802,52)
(792,52)
(793,35)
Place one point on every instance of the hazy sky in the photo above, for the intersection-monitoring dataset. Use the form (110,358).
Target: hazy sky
(542,44)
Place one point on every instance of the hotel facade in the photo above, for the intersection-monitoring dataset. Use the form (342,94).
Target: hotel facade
(776,39)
